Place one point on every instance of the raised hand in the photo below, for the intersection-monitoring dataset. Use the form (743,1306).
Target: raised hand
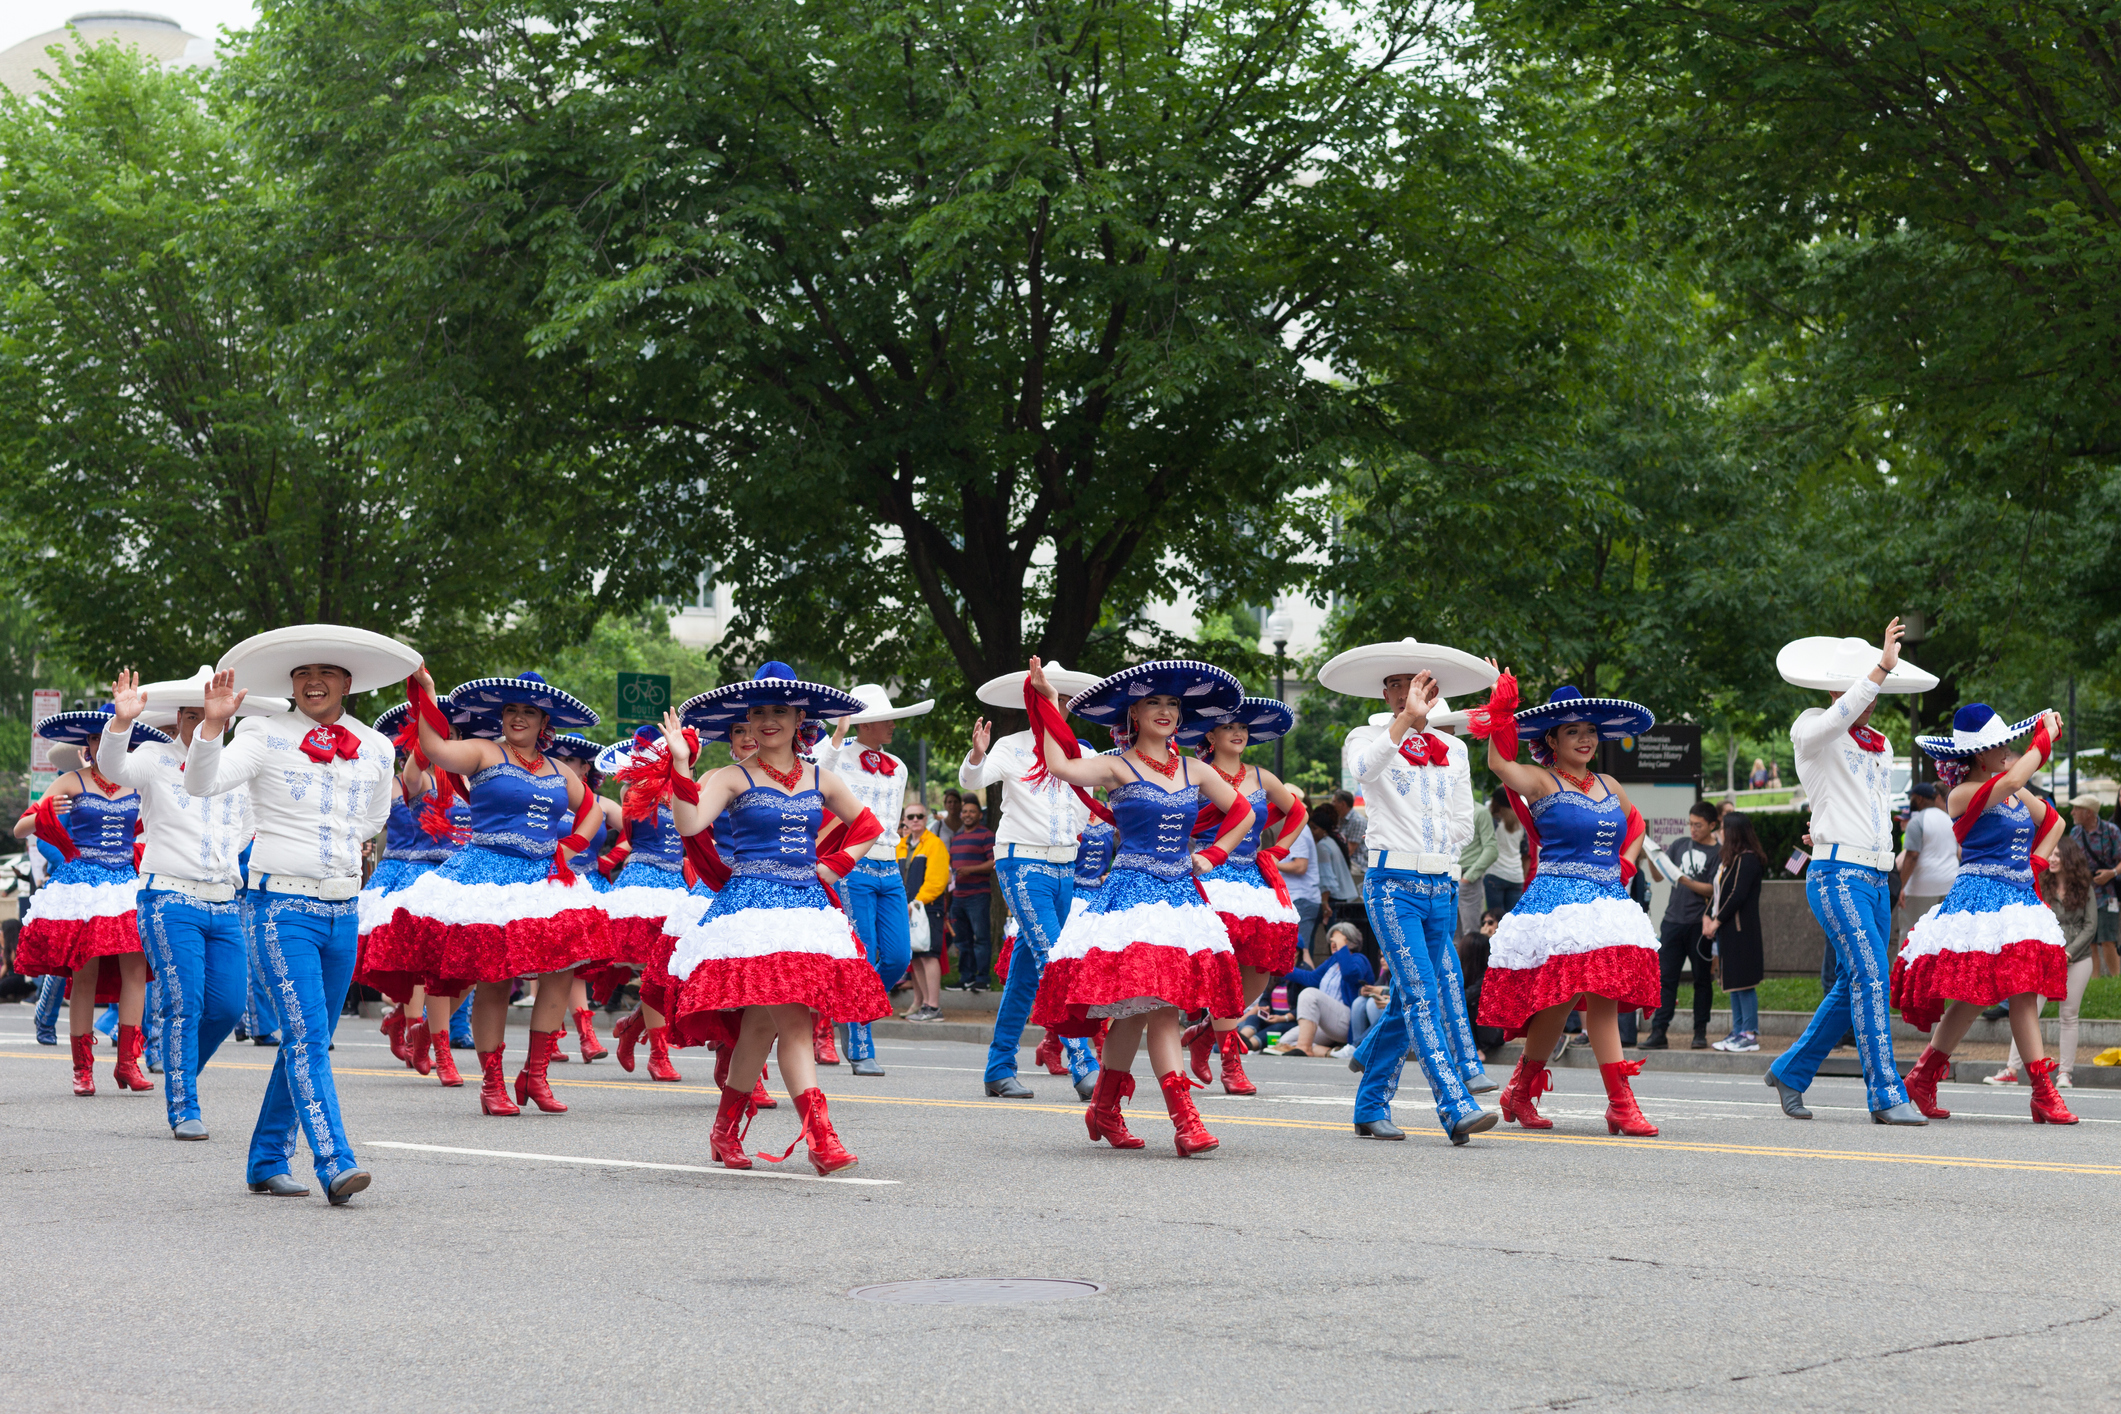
(1038,681)
(1424,688)
(1894,632)
(982,738)
(126,700)
(425,679)
(222,700)
(674,741)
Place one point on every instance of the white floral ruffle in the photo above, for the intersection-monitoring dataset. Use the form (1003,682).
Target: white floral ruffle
(1195,930)
(1989,931)
(1525,940)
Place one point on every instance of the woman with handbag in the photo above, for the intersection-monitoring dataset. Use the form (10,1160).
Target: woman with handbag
(1730,930)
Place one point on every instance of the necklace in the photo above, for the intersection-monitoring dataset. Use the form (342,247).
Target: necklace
(1167,768)
(1233,780)
(103,782)
(529,763)
(1582,784)
(787,782)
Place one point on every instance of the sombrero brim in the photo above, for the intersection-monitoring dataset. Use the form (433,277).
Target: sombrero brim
(64,755)
(1615,717)
(1202,690)
(614,758)
(486,697)
(263,662)
(569,747)
(1944,748)
(74,728)
(1821,663)
(1361,672)
(892,714)
(714,711)
(1262,717)
(1008,689)
(164,699)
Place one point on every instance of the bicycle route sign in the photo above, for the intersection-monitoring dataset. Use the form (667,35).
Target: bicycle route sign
(642,697)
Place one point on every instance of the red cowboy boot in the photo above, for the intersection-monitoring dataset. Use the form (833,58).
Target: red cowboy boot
(445,1062)
(823,1046)
(493,1090)
(1193,1136)
(131,1046)
(761,1097)
(1519,1099)
(394,1027)
(1103,1118)
(659,1066)
(732,1119)
(1050,1056)
(1933,1066)
(1622,1114)
(626,1035)
(585,1027)
(417,1043)
(531,1086)
(827,1155)
(2048,1107)
(1199,1042)
(85,1064)
(1235,1081)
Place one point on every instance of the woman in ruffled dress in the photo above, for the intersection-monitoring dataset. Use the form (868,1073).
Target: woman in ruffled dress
(82,924)
(507,904)
(1149,947)
(606,833)
(1575,937)
(774,945)
(1992,939)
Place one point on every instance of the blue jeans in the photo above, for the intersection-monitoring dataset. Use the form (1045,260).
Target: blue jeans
(197,952)
(968,928)
(1039,893)
(876,901)
(51,996)
(1416,918)
(1745,1012)
(305,949)
(1365,1014)
(1853,905)
(1500,895)
(460,1025)
(257,1002)
(1306,920)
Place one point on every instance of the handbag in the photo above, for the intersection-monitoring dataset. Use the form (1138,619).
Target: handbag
(917,930)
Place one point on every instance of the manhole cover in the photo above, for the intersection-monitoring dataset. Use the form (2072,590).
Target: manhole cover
(975,1291)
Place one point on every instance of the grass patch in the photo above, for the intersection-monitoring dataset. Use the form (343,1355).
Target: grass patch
(2102,999)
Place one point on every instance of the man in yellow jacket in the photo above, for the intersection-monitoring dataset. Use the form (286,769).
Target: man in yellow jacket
(927,880)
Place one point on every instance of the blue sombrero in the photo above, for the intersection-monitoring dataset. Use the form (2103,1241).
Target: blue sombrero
(573,746)
(487,696)
(615,757)
(1975,728)
(77,727)
(472,724)
(1202,690)
(714,711)
(1264,717)
(1615,717)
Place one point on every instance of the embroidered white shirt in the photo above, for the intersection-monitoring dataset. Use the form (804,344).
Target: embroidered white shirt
(1850,789)
(883,796)
(1419,809)
(312,817)
(188,836)
(1045,814)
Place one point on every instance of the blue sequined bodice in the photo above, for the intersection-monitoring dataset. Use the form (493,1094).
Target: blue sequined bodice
(1094,855)
(656,839)
(402,832)
(103,829)
(2000,844)
(516,812)
(409,841)
(1246,850)
(1156,826)
(1580,838)
(773,835)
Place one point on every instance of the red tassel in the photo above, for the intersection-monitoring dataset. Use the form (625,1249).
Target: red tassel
(577,840)
(53,832)
(1495,721)
(1046,719)
(1636,830)
(651,778)
(834,845)
(1531,834)
(706,860)
(424,709)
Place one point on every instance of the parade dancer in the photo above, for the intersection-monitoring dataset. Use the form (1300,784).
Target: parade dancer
(1575,936)
(83,924)
(320,786)
(507,904)
(650,885)
(42,858)
(191,872)
(1150,948)
(875,892)
(1417,784)
(1845,768)
(578,755)
(1246,890)
(1992,939)
(774,945)
(1035,854)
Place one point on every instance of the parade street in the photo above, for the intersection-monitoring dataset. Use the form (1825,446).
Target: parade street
(597,1260)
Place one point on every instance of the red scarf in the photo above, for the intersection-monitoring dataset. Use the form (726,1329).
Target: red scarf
(876,763)
(1424,749)
(1867,739)
(324,743)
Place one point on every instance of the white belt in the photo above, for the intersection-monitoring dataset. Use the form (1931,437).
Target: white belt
(190,888)
(1056,853)
(329,890)
(1850,854)
(1414,863)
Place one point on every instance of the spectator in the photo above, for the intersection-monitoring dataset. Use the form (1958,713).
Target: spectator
(2073,896)
(1328,992)
(1928,862)
(945,822)
(1355,829)
(1774,775)
(1758,779)
(1679,940)
(925,865)
(1474,861)
(1503,884)
(1732,927)
(1336,882)
(1300,872)
(971,896)
(1473,966)
(2101,843)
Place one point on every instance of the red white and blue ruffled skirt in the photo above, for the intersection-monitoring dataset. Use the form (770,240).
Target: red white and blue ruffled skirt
(1988,940)
(641,903)
(390,876)
(1144,942)
(487,915)
(1567,936)
(85,911)
(1262,928)
(774,938)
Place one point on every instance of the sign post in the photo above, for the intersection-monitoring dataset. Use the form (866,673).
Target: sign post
(642,698)
(1662,770)
(44,702)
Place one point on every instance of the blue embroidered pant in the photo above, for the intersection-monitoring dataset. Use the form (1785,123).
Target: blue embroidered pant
(305,949)
(460,1024)
(1855,908)
(876,900)
(257,1004)
(51,996)
(1416,918)
(197,952)
(1039,893)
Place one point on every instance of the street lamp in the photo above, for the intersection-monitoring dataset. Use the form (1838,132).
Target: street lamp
(1278,626)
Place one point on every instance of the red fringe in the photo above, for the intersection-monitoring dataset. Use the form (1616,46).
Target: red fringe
(1187,980)
(1511,996)
(1048,720)
(650,777)
(1495,721)
(1922,992)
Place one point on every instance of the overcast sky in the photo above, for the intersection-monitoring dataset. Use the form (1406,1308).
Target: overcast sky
(20,19)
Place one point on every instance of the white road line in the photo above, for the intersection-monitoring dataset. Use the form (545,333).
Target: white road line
(624,1163)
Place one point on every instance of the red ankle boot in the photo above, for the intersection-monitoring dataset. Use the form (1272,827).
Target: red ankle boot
(827,1154)
(1050,1056)
(1199,1042)
(659,1066)
(394,1027)
(1235,1081)
(585,1027)
(131,1046)
(531,1085)
(1622,1114)
(626,1034)
(85,1064)
(445,1063)
(2048,1107)
(823,1045)
(493,1089)
(559,1034)
(1103,1117)
(1520,1098)
(732,1119)
(761,1097)
(1193,1136)
(1933,1066)
(416,1045)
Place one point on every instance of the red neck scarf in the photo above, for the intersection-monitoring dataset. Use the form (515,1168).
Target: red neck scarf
(1424,749)
(876,763)
(325,743)
(1867,739)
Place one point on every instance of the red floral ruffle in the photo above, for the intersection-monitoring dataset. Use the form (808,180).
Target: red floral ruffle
(1923,991)
(1187,980)
(397,986)
(839,989)
(448,958)
(1261,943)
(1511,996)
(55,947)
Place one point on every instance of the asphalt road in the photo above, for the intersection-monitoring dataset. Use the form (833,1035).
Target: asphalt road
(1741,1260)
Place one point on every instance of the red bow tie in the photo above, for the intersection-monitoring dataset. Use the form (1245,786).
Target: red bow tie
(326,742)
(876,763)
(1867,739)
(1424,749)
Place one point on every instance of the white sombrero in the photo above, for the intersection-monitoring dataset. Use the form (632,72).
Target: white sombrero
(1441,717)
(164,698)
(1361,672)
(264,662)
(1836,664)
(1008,689)
(878,706)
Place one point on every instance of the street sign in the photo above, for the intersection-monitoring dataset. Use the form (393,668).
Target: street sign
(642,698)
(1669,754)
(44,702)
